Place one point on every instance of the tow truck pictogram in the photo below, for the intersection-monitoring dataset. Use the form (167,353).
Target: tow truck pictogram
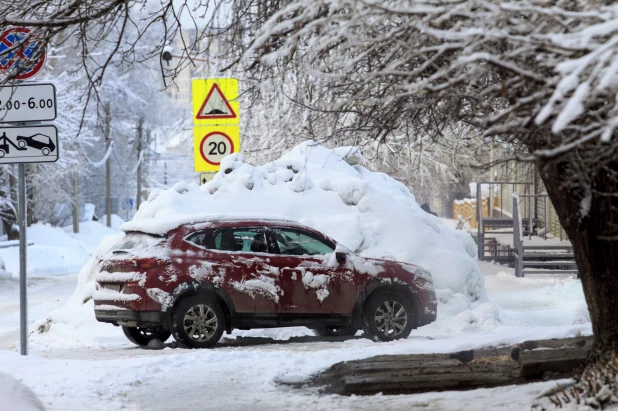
(37,141)
(4,145)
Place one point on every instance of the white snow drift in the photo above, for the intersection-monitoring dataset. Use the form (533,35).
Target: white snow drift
(368,212)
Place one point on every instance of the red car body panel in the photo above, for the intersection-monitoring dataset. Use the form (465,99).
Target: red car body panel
(257,285)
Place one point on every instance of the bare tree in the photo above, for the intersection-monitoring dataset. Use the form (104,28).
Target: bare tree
(542,75)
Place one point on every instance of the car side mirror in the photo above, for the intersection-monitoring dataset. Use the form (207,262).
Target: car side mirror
(340,256)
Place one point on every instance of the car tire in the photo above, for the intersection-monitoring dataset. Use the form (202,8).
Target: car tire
(344,331)
(2,153)
(388,316)
(21,144)
(142,335)
(45,151)
(198,322)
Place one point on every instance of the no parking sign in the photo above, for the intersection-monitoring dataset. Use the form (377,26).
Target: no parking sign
(27,59)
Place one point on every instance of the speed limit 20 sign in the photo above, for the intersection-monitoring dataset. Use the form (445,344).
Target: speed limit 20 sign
(212,144)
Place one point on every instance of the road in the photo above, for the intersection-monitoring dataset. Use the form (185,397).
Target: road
(44,295)
(248,370)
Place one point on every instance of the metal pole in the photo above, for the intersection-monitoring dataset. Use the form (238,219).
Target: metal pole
(23,297)
(529,218)
(108,169)
(138,199)
(479,223)
(545,217)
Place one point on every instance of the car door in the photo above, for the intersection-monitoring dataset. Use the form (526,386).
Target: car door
(312,282)
(235,259)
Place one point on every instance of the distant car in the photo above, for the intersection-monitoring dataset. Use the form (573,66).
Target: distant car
(200,280)
(38,141)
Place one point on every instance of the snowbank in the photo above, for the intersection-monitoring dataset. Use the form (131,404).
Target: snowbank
(368,212)
(16,396)
(56,251)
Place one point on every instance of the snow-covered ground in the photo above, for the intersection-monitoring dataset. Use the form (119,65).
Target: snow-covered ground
(57,251)
(76,362)
(242,374)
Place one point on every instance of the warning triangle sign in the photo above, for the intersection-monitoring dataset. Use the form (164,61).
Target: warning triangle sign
(215,105)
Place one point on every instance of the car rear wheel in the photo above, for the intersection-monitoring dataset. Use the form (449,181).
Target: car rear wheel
(141,335)
(45,151)
(198,322)
(388,316)
(2,153)
(343,331)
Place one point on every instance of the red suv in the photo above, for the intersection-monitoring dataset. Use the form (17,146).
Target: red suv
(199,280)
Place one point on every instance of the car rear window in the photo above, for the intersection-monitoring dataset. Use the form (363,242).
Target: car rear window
(136,241)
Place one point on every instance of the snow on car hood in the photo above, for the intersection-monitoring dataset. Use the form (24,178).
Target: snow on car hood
(368,212)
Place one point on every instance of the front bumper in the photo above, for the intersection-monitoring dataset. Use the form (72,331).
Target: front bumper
(132,318)
(428,315)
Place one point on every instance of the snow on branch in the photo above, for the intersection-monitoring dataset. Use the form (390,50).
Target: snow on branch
(530,63)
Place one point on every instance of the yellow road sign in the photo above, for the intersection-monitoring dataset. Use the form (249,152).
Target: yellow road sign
(212,143)
(206,177)
(215,101)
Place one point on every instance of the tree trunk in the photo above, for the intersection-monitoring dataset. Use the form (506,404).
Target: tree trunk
(590,219)
(75,205)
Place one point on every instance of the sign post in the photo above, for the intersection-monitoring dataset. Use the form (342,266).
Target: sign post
(216,115)
(23,286)
(25,105)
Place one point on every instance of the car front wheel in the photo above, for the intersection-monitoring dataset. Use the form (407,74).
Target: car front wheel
(388,316)
(198,322)
(141,335)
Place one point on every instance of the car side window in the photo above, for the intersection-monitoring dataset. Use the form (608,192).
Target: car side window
(296,242)
(202,239)
(249,240)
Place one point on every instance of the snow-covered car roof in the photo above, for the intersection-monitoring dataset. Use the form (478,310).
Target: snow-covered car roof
(164,225)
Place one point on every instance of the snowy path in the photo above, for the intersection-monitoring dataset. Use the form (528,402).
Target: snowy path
(44,295)
(242,375)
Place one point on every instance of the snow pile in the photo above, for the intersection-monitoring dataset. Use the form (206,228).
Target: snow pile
(78,312)
(16,396)
(56,251)
(368,212)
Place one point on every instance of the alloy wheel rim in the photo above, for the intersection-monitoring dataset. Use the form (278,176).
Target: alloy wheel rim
(391,318)
(200,322)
